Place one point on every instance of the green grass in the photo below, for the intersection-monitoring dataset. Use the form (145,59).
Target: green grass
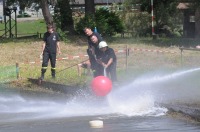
(161,42)
(27,27)
(139,62)
(31,27)
(7,73)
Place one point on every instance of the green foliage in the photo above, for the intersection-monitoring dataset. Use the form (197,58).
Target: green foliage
(63,15)
(87,21)
(165,15)
(107,23)
(62,35)
(138,22)
(63,19)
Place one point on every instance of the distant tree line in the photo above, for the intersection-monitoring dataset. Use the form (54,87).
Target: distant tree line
(165,12)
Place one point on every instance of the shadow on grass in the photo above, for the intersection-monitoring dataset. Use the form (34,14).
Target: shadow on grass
(68,89)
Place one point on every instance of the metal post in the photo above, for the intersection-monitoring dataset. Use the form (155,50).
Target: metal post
(15,23)
(17,70)
(10,27)
(4,5)
(181,57)
(127,54)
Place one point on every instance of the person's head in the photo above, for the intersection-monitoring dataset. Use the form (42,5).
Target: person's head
(94,39)
(88,31)
(50,28)
(103,46)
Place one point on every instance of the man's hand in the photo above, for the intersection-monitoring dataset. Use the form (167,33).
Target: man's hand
(99,61)
(41,55)
(105,66)
(59,52)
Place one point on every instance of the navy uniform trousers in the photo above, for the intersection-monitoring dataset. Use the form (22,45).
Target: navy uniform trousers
(46,57)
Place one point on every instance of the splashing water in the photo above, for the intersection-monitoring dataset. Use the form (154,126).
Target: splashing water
(157,78)
(145,92)
(136,99)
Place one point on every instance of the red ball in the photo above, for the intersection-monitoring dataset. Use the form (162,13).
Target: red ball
(101,85)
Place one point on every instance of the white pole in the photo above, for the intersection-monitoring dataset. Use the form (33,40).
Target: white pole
(152,18)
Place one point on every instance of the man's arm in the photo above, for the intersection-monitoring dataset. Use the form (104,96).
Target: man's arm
(58,47)
(109,63)
(111,56)
(43,46)
(58,43)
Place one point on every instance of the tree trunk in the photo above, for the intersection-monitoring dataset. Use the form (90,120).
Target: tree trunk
(197,23)
(46,13)
(67,23)
(89,7)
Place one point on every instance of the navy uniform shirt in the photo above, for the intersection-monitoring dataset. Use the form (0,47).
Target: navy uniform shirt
(108,54)
(51,40)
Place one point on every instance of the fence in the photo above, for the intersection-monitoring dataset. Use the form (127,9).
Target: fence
(27,35)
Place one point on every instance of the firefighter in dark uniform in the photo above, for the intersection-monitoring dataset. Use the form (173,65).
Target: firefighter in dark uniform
(93,51)
(108,61)
(50,48)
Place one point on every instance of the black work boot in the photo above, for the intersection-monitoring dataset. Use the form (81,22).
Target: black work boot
(42,77)
(42,74)
(53,76)
(53,73)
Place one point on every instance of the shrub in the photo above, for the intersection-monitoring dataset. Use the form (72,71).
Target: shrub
(87,21)
(107,23)
(138,22)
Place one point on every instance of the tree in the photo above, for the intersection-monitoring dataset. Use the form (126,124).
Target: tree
(89,7)
(43,3)
(45,11)
(63,16)
(166,16)
(165,9)
(107,23)
(64,12)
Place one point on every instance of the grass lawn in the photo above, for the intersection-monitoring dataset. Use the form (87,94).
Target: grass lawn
(145,55)
(27,27)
